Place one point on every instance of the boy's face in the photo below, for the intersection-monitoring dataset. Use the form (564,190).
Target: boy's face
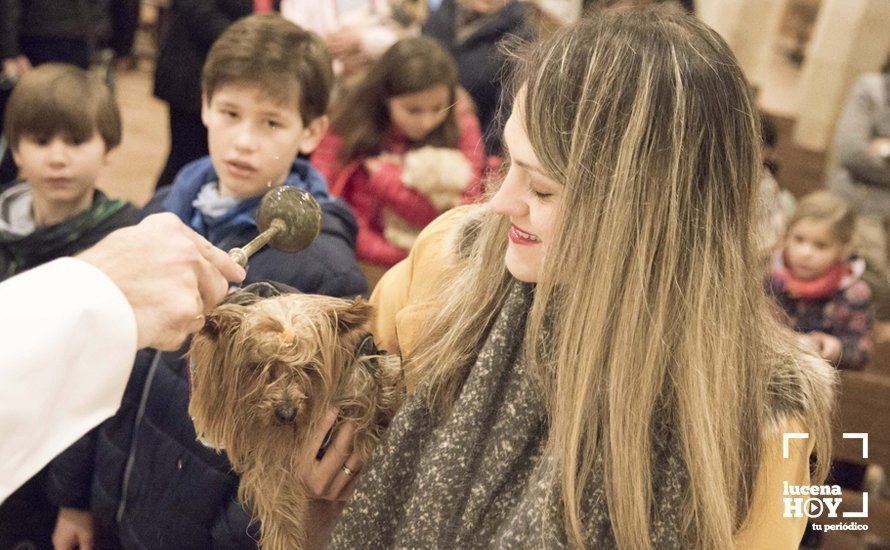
(59,170)
(254,138)
(811,249)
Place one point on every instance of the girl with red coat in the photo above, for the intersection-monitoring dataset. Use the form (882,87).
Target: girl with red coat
(401,150)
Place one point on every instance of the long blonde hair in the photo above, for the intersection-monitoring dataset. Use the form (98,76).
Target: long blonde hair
(650,299)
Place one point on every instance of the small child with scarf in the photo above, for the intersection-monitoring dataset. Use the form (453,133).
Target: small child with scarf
(818,283)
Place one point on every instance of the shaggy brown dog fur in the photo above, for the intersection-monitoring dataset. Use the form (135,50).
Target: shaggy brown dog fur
(264,374)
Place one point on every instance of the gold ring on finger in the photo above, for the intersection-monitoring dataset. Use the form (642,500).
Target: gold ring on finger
(347,470)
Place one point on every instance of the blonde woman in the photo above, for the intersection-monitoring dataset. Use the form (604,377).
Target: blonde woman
(593,361)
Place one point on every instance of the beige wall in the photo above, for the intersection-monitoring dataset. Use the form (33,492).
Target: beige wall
(850,37)
(750,27)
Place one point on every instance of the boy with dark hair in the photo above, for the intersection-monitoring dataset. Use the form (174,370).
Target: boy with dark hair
(142,477)
(61,124)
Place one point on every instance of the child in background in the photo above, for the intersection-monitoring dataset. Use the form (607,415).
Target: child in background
(407,101)
(819,285)
(141,479)
(61,123)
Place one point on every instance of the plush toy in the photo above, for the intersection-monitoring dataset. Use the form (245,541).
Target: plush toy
(441,175)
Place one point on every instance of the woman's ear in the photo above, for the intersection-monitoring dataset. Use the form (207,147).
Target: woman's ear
(313,133)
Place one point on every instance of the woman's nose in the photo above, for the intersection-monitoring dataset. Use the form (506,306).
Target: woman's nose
(509,200)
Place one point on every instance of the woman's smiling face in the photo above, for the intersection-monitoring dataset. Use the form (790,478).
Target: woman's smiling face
(530,199)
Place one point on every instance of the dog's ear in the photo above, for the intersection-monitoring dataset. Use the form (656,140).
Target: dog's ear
(353,315)
(226,317)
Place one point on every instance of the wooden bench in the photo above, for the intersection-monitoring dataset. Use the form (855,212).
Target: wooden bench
(863,407)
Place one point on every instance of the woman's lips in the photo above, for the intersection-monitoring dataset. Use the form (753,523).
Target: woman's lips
(519,236)
(240,169)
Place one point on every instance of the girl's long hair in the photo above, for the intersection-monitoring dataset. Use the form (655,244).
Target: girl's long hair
(650,301)
(410,65)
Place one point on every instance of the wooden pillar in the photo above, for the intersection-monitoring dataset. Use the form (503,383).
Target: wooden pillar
(850,37)
(750,27)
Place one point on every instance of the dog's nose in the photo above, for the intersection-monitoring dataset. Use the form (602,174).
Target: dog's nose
(284,413)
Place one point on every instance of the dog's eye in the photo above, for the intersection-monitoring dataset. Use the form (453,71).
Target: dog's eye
(278,370)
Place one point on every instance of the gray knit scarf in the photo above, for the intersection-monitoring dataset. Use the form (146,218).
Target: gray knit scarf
(479,477)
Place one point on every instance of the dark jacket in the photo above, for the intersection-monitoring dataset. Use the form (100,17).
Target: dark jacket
(143,469)
(479,61)
(27,515)
(109,23)
(194,27)
(67,238)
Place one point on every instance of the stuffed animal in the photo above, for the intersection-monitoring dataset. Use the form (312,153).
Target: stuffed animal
(441,175)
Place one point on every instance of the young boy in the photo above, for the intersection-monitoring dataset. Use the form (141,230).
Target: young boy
(142,477)
(61,123)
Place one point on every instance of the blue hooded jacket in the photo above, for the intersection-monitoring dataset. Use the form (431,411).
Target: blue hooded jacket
(142,472)
(195,175)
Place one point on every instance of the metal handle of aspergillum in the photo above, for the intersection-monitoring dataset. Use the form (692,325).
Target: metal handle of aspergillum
(288,219)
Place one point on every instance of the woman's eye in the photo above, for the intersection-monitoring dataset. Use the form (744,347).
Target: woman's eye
(230,114)
(274,124)
(538,194)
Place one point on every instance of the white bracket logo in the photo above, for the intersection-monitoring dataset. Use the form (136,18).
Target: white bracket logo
(811,509)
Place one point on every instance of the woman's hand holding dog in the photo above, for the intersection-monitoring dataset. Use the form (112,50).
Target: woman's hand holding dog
(334,475)
(330,479)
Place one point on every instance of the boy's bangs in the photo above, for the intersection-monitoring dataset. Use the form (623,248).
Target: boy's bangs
(58,114)
(284,92)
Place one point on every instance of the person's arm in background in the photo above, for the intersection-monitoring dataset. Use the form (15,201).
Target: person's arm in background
(205,21)
(124,22)
(854,135)
(14,62)
(70,328)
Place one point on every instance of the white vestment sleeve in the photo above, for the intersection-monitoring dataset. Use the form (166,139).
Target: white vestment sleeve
(67,344)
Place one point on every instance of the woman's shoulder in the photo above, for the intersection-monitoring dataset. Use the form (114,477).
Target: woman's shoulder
(438,245)
(406,295)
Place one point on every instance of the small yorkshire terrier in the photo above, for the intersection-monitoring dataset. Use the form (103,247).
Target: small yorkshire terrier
(265,370)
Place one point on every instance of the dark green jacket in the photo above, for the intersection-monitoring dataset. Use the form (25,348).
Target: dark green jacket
(67,238)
